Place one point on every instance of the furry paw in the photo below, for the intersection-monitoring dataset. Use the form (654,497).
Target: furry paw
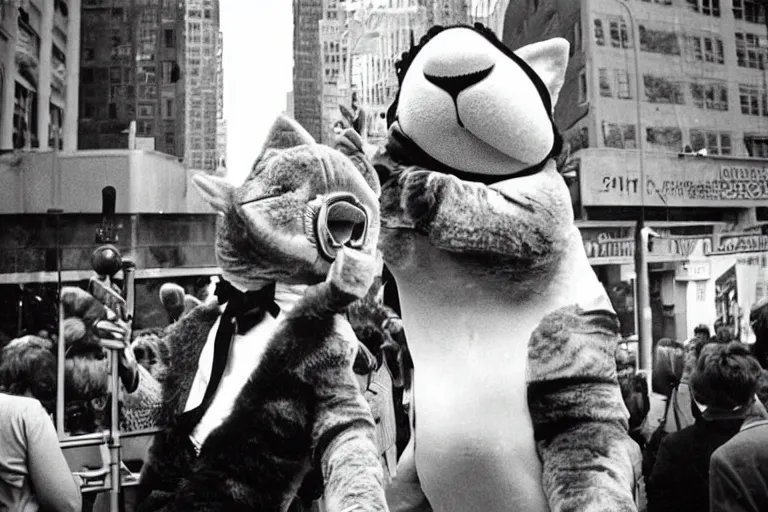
(419,195)
(352,272)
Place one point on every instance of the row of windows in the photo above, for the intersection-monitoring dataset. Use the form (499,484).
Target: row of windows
(696,47)
(615,83)
(665,138)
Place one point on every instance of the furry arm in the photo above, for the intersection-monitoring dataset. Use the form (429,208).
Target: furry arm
(471,217)
(579,418)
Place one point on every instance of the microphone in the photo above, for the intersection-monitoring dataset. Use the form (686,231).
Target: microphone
(106,234)
(172,296)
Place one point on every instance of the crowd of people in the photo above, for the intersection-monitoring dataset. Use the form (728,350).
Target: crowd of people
(703,423)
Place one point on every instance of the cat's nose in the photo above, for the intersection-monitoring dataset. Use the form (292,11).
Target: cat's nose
(455,72)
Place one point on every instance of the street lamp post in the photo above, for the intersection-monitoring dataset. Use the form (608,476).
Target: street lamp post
(643,302)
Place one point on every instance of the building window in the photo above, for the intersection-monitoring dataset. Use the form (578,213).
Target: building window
(620,136)
(748,51)
(168,107)
(710,96)
(704,48)
(716,143)
(582,87)
(599,34)
(752,101)
(605,84)
(706,7)
(701,291)
(113,111)
(166,72)
(115,75)
(748,10)
(144,127)
(619,35)
(169,36)
(664,138)
(146,111)
(661,90)
(622,84)
(577,35)
(757,145)
(170,140)
(658,41)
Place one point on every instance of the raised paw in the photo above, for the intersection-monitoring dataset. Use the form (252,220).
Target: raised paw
(419,194)
(352,272)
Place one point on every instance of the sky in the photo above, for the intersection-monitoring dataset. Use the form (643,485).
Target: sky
(258,73)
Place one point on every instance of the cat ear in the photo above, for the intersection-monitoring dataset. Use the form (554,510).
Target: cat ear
(215,190)
(287,133)
(549,59)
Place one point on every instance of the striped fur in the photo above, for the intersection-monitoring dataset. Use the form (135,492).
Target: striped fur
(301,412)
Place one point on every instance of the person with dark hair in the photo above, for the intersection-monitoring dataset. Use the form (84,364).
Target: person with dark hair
(723,384)
(725,335)
(34,475)
(668,365)
(701,333)
(738,470)
(758,320)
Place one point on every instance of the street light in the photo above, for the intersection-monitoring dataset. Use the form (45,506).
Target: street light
(643,303)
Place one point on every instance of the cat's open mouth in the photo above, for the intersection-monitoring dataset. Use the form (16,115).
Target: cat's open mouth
(341,221)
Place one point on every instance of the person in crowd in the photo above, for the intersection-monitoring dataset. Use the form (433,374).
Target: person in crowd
(34,475)
(668,366)
(725,334)
(758,320)
(723,384)
(738,470)
(701,333)
(634,391)
(683,410)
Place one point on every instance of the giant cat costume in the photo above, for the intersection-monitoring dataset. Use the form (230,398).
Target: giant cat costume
(517,405)
(300,425)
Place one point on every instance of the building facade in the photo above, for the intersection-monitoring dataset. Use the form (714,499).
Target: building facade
(37,39)
(307,65)
(664,110)
(201,38)
(130,56)
(221,123)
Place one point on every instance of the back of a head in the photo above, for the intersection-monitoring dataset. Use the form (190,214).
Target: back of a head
(758,320)
(725,335)
(668,365)
(726,376)
(29,368)
(762,388)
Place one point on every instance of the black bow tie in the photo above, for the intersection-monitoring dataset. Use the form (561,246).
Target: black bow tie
(242,313)
(246,308)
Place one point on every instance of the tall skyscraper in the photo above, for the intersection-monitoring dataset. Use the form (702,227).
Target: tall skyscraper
(307,65)
(201,20)
(221,123)
(130,72)
(38,38)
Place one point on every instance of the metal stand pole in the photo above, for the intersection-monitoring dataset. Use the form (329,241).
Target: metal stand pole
(644,324)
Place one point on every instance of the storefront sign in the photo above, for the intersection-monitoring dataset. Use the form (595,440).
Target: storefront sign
(693,271)
(606,250)
(738,243)
(612,178)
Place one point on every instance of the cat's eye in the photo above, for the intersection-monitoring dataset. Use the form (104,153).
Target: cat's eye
(274,191)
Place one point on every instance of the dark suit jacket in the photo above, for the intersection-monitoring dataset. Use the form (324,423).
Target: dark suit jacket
(172,455)
(738,471)
(680,478)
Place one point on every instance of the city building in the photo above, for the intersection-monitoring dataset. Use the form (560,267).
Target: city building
(307,65)
(38,87)
(665,113)
(289,104)
(334,71)
(202,97)
(448,12)
(490,13)
(130,55)
(221,123)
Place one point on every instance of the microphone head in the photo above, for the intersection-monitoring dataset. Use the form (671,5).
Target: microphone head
(172,297)
(108,199)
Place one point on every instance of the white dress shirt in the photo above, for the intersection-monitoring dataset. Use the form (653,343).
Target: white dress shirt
(244,356)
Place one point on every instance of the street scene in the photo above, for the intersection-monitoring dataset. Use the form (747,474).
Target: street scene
(241,240)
